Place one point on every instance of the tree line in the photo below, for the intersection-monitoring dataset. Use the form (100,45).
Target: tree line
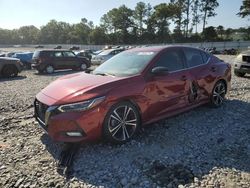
(142,25)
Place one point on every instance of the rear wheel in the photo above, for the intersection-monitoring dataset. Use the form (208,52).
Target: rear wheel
(49,69)
(218,94)
(9,71)
(121,123)
(239,74)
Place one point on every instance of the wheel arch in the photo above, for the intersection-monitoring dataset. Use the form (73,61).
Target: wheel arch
(133,102)
(224,81)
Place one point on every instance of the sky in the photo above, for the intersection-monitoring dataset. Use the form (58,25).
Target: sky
(17,13)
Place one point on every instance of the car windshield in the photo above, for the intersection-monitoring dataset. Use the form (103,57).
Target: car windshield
(125,64)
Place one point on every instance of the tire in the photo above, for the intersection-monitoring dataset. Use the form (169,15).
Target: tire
(218,94)
(239,74)
(49,69)
(83,66)
(121,123)
(9,71)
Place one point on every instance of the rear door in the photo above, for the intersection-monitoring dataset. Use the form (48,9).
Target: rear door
(201,73)
(58,60)
(168,92)
(70,60)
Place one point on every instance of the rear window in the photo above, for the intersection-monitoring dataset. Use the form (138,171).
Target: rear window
(205,56)
(195,57)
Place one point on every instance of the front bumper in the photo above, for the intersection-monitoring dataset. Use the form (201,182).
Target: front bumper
(36,66)
(243,67)
(69,126)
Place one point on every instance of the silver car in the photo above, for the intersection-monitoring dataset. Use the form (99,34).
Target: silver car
(105,55)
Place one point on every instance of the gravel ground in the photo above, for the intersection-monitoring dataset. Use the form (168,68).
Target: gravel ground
(202,148)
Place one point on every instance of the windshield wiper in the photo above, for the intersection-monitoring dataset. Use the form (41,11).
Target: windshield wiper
(104,74)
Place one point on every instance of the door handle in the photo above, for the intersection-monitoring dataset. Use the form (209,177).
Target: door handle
(213,69)
(183,78)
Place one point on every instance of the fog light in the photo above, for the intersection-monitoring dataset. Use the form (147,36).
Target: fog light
(73,134)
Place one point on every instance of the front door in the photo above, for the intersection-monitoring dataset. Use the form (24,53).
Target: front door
(168,92)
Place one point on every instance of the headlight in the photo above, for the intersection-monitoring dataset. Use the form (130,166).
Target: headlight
(81,106)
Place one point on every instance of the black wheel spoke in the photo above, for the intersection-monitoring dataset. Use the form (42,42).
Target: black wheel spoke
(122,123)
(219,94)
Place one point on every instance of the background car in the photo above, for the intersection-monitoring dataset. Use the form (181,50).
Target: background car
(74,48)
(50,60)
(242,64)
(58,47)
(134,88)
(105,55)
(85,53)
(10,67)
(25,58)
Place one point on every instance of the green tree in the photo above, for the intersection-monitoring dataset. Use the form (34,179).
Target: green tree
(244,9)
(196,15)
(177,7)
(119,20)
(49,33)
(162,15)
(209,34)
(139,15)
(220,30)
(208,8)
(28,34)
(98,36)
(228,33)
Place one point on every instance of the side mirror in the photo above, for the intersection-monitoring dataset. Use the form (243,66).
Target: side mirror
(160,70)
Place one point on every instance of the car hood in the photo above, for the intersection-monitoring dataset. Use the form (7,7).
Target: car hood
(77,87)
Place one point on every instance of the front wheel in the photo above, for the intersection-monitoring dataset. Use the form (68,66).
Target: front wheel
(218,94)
(121,123)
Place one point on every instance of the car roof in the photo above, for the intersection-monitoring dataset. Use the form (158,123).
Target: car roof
(55,50)
(159,48)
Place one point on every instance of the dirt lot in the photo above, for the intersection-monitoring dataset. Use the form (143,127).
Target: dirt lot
(202,148)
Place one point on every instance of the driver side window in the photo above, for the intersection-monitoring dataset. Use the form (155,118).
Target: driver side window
(172,60)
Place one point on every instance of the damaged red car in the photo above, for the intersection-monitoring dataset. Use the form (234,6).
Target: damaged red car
(136,87)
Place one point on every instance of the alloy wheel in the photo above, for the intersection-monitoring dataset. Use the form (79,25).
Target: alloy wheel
(219,93)
(122,123)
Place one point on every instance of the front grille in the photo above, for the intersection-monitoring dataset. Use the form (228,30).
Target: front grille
(40,110)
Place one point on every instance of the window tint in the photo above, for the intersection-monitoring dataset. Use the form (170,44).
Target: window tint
(205,56)
(194,57)
(172,59)
(68,54)
(58,54)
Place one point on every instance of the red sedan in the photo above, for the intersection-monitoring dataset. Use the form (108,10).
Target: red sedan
(134,88)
